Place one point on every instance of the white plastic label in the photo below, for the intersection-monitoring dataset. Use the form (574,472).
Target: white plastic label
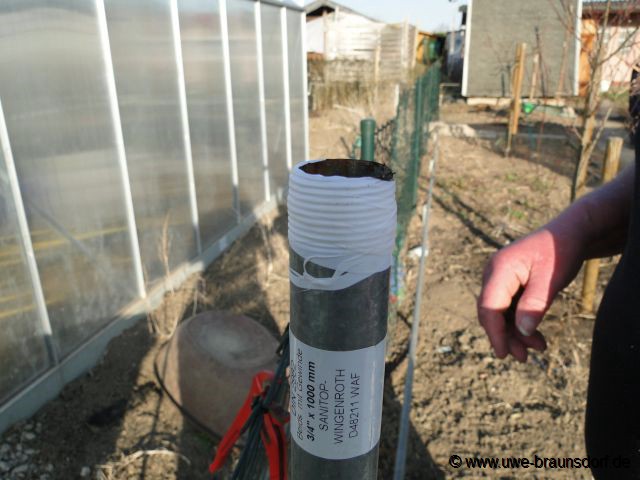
(336,399)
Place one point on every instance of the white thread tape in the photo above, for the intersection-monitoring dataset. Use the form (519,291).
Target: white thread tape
(342,223)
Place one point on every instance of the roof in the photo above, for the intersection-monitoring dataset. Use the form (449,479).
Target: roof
(318,7)
(616,6)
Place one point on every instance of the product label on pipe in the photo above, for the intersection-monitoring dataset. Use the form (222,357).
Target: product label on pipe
(336,399)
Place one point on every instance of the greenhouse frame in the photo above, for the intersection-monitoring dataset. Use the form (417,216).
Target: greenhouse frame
(139,140)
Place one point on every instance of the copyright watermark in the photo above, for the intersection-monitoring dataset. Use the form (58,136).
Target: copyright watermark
(456,461)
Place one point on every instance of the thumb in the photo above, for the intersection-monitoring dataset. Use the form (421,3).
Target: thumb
(533,304)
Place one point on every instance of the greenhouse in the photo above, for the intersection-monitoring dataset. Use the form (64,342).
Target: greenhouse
(139,139)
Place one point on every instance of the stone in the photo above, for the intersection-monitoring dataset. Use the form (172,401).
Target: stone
(28,436)
(5,448)
(85,472)
(4,467)
(20,469)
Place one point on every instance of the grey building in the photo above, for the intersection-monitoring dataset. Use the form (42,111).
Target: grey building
(495,27)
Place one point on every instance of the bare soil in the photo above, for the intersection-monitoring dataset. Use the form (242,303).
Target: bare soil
(116,423)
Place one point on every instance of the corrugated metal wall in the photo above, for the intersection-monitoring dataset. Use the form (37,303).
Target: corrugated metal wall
(121,124)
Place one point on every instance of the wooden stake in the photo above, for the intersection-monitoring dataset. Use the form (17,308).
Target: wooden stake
(612,159)
(534,76)
(517,90)
(516,103)
(563,64)
(563,68)
(592,267)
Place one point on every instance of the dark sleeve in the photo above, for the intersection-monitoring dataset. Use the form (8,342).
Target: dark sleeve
(634,98)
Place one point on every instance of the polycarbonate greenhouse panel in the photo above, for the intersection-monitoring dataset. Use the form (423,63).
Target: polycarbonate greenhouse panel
(145,69)
(246,102)
(23,354)
(274,96)
(56,105)
(208,121)
(296,85)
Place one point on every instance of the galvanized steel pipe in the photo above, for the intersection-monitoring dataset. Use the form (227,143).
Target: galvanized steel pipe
(342,225)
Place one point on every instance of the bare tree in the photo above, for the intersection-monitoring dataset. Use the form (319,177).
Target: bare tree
(610,18)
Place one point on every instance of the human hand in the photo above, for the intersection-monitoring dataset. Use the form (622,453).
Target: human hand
(519,284)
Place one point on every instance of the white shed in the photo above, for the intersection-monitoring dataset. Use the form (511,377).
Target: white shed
(338,32)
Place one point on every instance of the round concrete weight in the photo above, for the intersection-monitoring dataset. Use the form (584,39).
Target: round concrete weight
(207,366)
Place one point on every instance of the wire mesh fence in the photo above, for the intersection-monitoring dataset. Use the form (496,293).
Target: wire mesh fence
(401,143)
(382,140)
(417,107)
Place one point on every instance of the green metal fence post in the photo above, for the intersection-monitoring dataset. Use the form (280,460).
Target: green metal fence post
(367,134)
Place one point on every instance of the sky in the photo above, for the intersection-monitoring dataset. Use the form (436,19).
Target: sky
(427,15)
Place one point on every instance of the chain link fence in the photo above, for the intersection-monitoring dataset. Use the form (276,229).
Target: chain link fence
(401,143)
(417,107)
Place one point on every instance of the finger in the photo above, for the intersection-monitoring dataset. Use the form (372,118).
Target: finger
(500,284)
(517,349)
(495,327)
(535,341)
(533,304)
